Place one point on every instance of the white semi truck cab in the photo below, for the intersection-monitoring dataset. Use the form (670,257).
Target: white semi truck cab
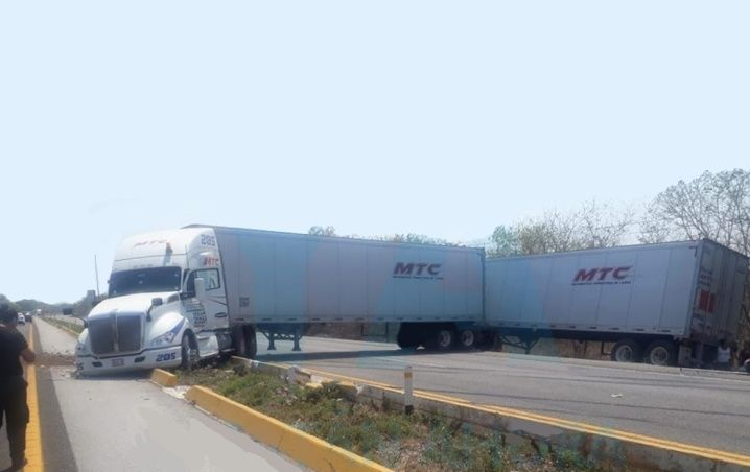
(167,306)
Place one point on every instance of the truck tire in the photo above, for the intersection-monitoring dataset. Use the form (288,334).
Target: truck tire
(245,342)
(626,350)
(661,352)
(467,339)
(441,339)
(188,352)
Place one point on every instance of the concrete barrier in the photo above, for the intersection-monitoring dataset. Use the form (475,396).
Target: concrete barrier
(298,445)
(611,449)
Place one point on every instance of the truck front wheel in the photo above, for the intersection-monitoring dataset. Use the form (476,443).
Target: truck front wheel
(189,353)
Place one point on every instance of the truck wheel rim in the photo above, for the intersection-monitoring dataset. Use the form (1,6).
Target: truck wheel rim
(467,338)
(659,356)
(624,353)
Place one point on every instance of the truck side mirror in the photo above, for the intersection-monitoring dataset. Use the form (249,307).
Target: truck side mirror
(200,289)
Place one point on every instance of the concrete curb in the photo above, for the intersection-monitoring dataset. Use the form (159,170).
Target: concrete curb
(298,445)
(163,378)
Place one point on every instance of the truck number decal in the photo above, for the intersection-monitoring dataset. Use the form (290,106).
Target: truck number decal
(208,240)
(198,314)
(199,319)
(165,357)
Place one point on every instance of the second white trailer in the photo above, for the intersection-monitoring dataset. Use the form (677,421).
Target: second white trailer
(657,300)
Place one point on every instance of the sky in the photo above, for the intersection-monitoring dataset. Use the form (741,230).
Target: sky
(430,117)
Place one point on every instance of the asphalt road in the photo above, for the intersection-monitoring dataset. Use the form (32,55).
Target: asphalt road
(698,408)
(128,423)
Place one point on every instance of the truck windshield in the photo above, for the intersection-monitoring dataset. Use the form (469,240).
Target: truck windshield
(153,279)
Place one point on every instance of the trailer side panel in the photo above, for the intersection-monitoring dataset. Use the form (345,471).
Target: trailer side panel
(291,278)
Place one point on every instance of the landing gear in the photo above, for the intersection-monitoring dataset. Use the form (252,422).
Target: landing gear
(281,332)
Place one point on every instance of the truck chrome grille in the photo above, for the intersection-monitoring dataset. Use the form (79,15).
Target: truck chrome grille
(115,334)
(129,333)
(102,336)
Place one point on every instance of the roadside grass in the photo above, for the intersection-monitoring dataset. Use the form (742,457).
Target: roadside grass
(64,324)
(415,443)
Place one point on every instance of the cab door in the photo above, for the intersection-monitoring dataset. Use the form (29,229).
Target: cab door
(215,304)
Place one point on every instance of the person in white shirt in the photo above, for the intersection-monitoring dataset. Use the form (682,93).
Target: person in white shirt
(723,355)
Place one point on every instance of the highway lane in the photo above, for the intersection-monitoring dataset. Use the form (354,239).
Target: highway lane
(127,423)
(709,410)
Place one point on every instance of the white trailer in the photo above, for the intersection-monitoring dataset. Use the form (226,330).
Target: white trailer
(661,302)
(199,292)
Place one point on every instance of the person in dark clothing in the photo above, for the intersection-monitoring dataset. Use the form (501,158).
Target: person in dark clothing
(13,407)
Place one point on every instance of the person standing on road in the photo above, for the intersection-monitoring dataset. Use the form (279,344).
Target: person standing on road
(13,405)
(723,355)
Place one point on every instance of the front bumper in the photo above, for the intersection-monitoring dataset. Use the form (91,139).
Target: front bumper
(150,359)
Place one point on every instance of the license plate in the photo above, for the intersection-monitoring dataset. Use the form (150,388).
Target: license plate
(118,362)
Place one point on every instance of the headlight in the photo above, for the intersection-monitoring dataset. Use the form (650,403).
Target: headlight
(164,339)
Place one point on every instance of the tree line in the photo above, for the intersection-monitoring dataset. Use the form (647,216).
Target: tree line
(713,205)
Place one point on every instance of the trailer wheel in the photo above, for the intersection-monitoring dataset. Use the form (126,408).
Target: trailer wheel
(441,339)
(467,338)
(189,353)
(626,350)
(661,352)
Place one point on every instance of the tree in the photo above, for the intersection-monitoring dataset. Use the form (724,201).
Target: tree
(714,206)
(595,225)
(322,231)
(505,242)
(603,225)
(414,238)
(4,301)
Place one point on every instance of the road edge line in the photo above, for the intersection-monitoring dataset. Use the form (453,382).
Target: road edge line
(303,447)
(34,449)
